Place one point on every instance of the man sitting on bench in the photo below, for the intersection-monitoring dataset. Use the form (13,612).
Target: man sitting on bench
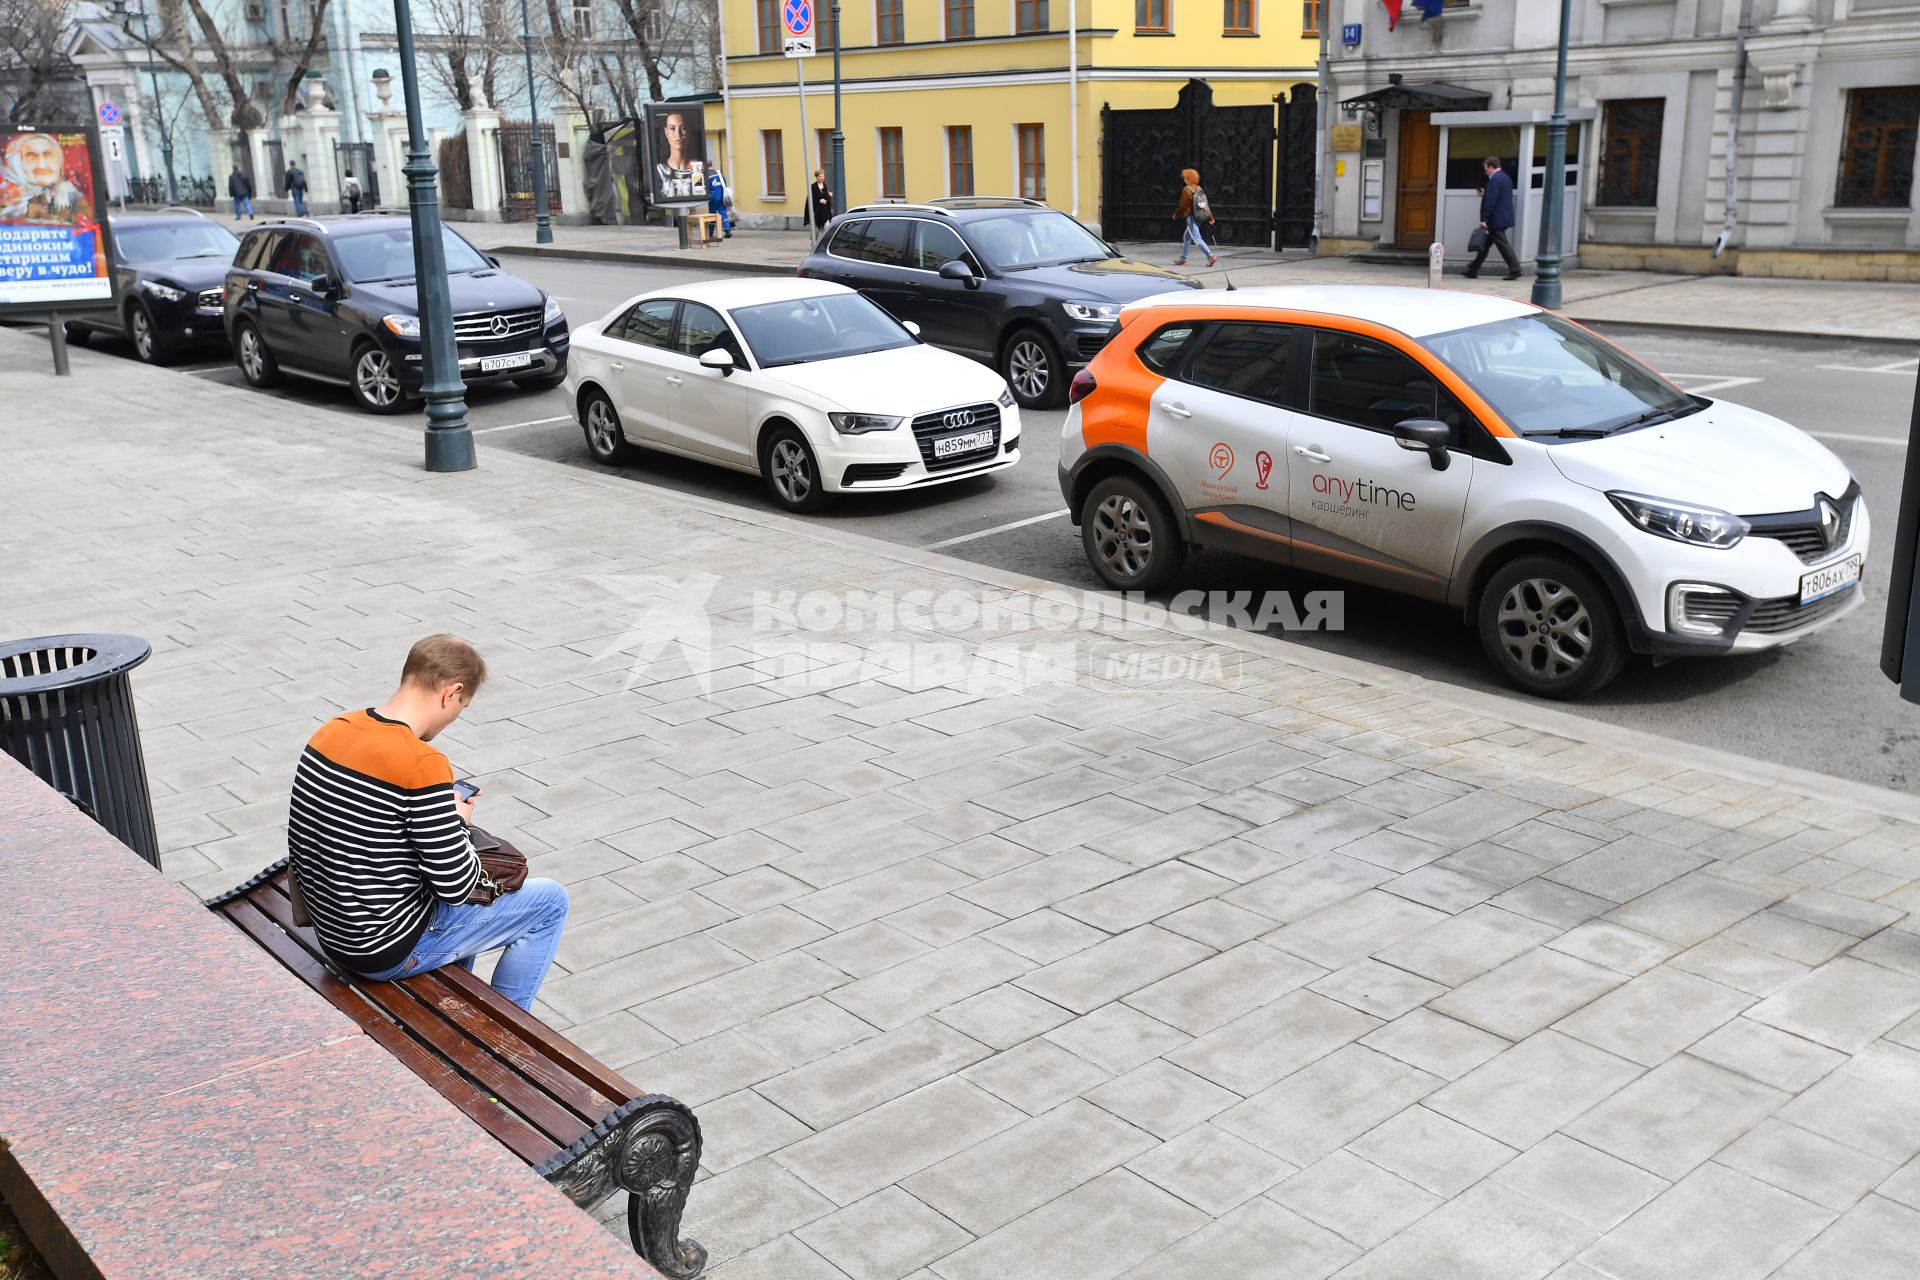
(378,840)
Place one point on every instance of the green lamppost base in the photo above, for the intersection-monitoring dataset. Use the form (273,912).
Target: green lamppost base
(450,449)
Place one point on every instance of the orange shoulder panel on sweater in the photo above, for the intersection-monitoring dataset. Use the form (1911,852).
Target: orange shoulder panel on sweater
(381,750)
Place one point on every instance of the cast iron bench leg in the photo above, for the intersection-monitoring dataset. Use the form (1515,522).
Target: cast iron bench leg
(649,1148)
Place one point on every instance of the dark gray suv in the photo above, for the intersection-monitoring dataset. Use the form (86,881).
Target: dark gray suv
(1011,282)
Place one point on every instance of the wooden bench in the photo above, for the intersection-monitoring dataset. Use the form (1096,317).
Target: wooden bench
(580,1126)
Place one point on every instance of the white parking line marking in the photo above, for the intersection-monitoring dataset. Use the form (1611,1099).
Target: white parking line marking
(1895,441)
(1709,382)
(537,422)
(1891,366)
(999,528)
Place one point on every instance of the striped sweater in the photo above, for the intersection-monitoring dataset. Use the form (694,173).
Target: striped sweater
(376,838)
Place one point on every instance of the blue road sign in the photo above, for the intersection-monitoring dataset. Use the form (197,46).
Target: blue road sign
(109,113)
(799,17)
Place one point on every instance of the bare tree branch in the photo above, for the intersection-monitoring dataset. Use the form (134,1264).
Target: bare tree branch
(316,32)
(34,66)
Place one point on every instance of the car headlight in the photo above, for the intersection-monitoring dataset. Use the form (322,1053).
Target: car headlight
(859,424)
(1096,312)
(553,312)
(405,326)
(1698,526)
(1005,398)
(165,292)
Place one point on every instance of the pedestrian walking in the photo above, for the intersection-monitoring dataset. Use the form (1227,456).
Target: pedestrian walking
(350,192)
(1194,206)
(383,857)
(240,187)
(1496,219)
(297,188)
(819,203)
(720,201)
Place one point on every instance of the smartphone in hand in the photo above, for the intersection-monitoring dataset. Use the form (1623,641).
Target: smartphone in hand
(464,790)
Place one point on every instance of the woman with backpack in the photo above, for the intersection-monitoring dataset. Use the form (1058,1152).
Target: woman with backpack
(1193,207)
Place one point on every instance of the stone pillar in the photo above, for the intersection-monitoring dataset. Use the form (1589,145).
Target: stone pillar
(320,132)
(569,136)
(482,127)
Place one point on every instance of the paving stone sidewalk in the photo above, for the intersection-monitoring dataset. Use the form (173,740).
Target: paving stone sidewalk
(1186,954)
(1775,307)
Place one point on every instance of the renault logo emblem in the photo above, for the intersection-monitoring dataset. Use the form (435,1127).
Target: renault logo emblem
(500,326)
(957,419)
(1829,521)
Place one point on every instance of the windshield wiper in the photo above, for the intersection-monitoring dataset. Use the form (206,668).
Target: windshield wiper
(1571,433)
(1653,415)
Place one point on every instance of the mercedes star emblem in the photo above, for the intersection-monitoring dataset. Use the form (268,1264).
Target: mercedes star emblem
(500,326)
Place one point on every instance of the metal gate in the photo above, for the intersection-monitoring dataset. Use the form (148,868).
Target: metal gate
(516,169)
(1253,199)
(357,157)
(276,165)
(242,153)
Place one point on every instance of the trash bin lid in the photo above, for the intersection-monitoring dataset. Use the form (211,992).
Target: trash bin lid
(44,664)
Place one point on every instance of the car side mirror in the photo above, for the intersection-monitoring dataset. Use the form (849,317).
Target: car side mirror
(491,260)
(1426,435)
(326,286)
(958,270)
(720,360)
(910,327)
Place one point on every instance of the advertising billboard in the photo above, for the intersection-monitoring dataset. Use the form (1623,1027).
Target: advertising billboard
(54,246)
(676,150)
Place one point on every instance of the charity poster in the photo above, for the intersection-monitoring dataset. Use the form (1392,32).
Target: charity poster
(53,232)
(676,150)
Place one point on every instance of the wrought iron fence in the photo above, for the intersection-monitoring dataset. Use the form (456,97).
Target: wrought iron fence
(516,169)
(193,191)
(357,158)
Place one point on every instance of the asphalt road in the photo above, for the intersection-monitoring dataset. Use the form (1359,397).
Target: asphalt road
(1819,704)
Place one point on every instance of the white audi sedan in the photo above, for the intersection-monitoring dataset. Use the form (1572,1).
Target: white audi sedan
(804,383)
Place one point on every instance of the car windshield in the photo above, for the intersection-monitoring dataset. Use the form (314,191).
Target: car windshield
(387,254)
(161,241)
(1548,378)
(1014,241)
(803,330)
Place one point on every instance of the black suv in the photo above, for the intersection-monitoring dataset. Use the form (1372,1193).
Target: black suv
(335,300)
(169,266)
(1009,281)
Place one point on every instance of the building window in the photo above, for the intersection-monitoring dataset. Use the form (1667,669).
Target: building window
(1876,158)
(825,35)
(1150,15)
(766,14)
(1630,152)
(960,160)
(889,22)
(1029,16)
(583,19)
(1033,161)
(773,163)
(959,19)
(1310,17)
(893,166)
(1239,17)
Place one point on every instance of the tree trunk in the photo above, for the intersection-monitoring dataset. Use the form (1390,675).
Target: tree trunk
(244,115)
(291,98)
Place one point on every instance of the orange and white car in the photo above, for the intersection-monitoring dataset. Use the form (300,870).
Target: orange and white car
(1576,505)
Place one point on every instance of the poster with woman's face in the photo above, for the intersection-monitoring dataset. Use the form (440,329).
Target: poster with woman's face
(53,248)
(677,147)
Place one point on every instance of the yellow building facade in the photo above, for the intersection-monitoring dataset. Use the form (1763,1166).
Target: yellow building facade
(983,97)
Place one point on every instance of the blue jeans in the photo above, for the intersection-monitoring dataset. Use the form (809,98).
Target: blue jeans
(243,204)
(526,922)
(299,202)
(1192,236)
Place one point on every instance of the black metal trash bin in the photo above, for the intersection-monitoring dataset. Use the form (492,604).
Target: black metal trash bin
(66,712)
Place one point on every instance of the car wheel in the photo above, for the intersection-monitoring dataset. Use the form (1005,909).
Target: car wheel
(545,382)
(791,471)
(1129,535)
(606,440)
(376,381)
(1032,366)
(146,339)
(78,334)
(1551,627)
(257,364)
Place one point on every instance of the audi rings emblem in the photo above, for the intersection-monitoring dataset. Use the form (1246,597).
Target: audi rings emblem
(500,326)
(957,419)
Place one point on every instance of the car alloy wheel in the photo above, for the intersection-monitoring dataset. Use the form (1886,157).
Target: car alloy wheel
(1545,628)
(1551,627)
(605,438)
(376,381)
(256,362)
(1029,368)
(141,326)
(1129,535)
(791,471)
(1123,536)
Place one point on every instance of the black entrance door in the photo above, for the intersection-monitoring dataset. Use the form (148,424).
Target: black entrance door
(516,169)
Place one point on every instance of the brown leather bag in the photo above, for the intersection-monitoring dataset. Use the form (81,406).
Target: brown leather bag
(503,868)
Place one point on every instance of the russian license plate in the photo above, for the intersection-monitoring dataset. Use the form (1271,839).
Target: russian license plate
(519,360)
(947,446)
(1829,580)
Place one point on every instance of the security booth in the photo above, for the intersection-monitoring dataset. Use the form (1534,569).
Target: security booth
(1400,118)
(1519,138)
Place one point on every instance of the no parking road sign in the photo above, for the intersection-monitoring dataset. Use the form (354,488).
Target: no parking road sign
(797,17)
(109,113)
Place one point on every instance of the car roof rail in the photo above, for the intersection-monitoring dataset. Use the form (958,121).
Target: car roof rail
(315,223)
(989,202)
(894,206)
(182,208)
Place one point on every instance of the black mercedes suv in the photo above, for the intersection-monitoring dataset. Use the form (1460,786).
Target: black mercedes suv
(169,266)
(334,300)
(1009,281)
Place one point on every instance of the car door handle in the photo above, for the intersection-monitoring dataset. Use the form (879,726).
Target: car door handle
(615,365)
(1178,410)
(672,381)
(253,286)
(1312,453)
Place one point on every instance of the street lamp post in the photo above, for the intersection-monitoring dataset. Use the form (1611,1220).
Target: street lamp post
(449,439)
(542,224)
(839,138)
(159,109)
(1546,265)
